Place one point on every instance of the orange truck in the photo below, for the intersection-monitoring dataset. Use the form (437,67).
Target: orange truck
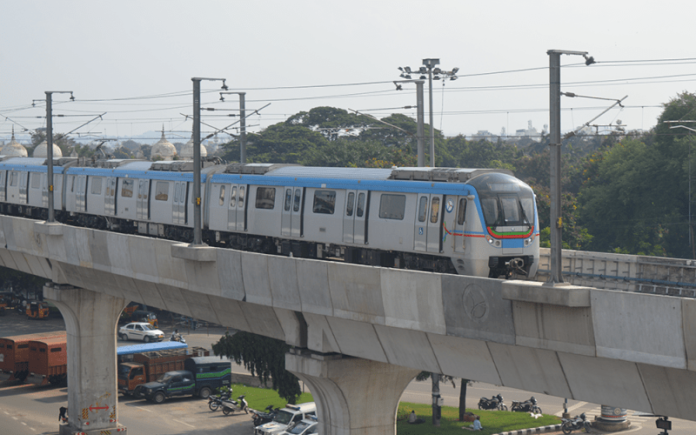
(48,359)
(150,366)
(14,353)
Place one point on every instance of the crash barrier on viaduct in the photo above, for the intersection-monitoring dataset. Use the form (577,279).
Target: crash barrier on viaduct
(638,273)
(349,322)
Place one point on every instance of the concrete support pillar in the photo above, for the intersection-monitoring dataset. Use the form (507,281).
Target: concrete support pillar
(90,319)
(354,396)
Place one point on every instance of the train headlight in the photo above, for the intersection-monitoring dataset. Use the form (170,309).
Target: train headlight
(493,242)
(528,241)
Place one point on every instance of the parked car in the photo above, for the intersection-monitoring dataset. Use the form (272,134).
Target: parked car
(140,331)
(289,415)
(302,427)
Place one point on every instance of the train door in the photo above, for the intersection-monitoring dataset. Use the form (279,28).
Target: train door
(420,236)
(361,211)
(3,186)
(434,236)
(81,197)
(143,196)
(23,181)
(179,203)
(296,220)
(44,190)
(236,215)
(460,226)
(110,197)
(449,220)
(286,220)
(349,217)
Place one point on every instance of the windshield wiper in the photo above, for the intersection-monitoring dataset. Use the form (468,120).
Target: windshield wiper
(524,215)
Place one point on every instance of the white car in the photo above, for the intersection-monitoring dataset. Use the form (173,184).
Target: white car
(304,427)
(287,416)
(140,331)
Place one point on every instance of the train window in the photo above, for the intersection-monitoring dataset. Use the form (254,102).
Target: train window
(528,208)
(392,207)
(324,201)
(511,210)
(288,199)
(96,185)
(265,197)
(22,346)
(40,350)
(13,178)
(434,210)
(241,196)
(9,346)
(233,197)
(222,195)
(35,181)
(177,192)
(461,211)
(126,188)
(349,206)
(56,349)
(298,197)
(162,191)
(361,205)
(422,208)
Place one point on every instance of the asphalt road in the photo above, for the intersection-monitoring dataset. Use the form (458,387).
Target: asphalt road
(28,409)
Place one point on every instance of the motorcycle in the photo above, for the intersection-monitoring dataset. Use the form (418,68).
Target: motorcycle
(526,406)
(261,417)
(230,406)
(177,337)
(576,423)
(495,402)
(214,402)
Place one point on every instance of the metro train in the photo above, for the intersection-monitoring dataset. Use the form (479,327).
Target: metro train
(479,222)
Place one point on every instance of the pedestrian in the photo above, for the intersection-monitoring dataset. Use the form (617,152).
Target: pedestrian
(475,426)
(412,419)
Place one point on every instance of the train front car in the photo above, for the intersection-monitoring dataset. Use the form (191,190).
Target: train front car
(510,243)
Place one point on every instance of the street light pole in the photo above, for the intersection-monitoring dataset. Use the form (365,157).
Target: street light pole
(429,67)
(242,124)
(49,150)
(556,224)
(197,231)
(419,118)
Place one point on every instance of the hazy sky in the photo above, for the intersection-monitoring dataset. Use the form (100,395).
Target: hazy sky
(298,55)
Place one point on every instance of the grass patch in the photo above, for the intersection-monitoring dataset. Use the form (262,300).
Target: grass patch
(492,421)
(260,398)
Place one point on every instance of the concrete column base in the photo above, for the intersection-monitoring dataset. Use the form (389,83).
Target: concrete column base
(90,320)
(610,426)
(67,430)
(354,396)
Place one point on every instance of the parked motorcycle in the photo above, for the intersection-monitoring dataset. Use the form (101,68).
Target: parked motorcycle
(526,406)
(495,402)
(230,406)
(214,402)
(261,417)
(576,423)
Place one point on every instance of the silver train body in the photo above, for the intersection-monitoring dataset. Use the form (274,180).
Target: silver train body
(480,222)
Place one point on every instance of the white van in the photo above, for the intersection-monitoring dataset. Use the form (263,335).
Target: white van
(303,427)
(286,416)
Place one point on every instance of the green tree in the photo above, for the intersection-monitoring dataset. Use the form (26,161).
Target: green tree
(264,357)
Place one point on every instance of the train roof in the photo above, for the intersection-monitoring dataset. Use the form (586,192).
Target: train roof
(35,336)
(51,340)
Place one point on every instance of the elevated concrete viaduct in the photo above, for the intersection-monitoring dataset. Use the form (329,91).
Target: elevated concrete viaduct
(355,324)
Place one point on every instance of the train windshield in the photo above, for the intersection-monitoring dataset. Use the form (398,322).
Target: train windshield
(505,200)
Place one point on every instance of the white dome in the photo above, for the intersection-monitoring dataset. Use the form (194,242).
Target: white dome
(187,151)
(163,149)
(14,148)
(42,150)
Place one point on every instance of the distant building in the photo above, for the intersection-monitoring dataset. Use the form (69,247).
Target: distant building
(484,134)
(14,148)
(187,151)
(41,150)
(163,149)
(530,133)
